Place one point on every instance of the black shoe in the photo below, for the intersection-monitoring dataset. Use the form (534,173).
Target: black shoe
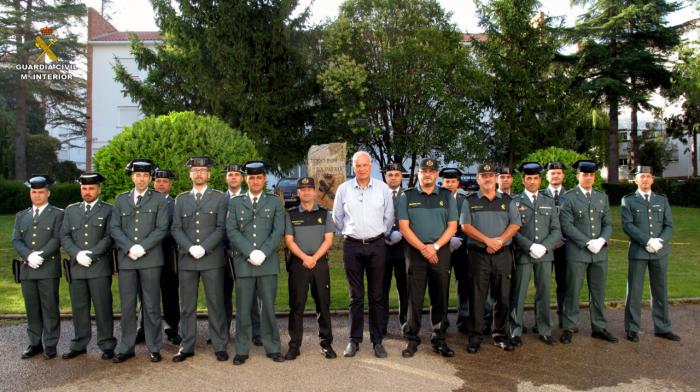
(410,350)
(503,342)
(668,335)
(174,338)
(463,330)
(292,354)
(379,351)
(239,359)
(632,336)
(257,341)
(119,358)
(574,329)
(73,353)
(566,336)
(524,329)
(548,340)
(604,335)
(154,357)
(50,353)
(535,329)
(221,356)
(32,351)
(516,341)
(473,346)
(443,349)
(486,331)
(140,336)
(328,351)
(209,341)
(181,356)
(351,349)
(277,357)
(108,354)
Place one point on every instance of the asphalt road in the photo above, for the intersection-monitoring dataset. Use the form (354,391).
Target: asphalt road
(652,364)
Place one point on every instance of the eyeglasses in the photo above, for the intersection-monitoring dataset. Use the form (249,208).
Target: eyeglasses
(198,171)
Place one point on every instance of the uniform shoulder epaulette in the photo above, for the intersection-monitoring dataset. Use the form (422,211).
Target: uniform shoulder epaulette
(183,193)
(105,203)
(217,191)
(239,195)
(124,193)
(53,207)
(76,204)
(24,211)
(542,192)
(572,190)
(628,195)
(411,188)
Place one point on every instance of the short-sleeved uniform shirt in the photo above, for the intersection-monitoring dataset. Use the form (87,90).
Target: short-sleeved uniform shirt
(308,227)
(490,217)
(428,214)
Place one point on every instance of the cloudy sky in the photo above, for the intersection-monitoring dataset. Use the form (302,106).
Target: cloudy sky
(137,15)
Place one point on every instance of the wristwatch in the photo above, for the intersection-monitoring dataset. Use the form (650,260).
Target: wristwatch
(437,247)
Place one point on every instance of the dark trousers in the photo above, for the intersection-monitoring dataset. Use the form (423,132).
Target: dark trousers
(397,267)
(169,291)
(41,304)
(319,280)
(559,266)
(229,285)
(460,265)
(437,278)
(98,293)
(492,271)
(358,257)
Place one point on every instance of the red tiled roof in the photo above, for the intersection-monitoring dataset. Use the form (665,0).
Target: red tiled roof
(477,37)
(99,29)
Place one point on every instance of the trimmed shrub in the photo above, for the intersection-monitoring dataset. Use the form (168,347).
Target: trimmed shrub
(14,196)
(169,141)
(567,157)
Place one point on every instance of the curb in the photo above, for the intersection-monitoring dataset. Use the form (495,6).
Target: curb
(344,312)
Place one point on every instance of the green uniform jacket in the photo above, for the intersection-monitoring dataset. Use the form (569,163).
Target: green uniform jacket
(202,225)
(642,221)
(88,232)
(582,222)
(262,232)
(539,225)
(146,225)
(43,235)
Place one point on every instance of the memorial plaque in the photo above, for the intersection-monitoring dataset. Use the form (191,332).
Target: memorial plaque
(326,163)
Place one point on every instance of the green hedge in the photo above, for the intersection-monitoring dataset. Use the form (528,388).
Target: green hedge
(685,193)
(14,196)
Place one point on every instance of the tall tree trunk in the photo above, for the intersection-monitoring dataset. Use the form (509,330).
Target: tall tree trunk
(634,144)
(694,151)
(613,153)
(22,33)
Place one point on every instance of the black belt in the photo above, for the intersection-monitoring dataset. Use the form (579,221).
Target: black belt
(483,249)
(364,241)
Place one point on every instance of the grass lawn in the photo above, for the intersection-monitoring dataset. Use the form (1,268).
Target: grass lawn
(683,273)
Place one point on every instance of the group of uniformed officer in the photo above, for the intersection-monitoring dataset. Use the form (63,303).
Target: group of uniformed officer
(504,239)
(493,241)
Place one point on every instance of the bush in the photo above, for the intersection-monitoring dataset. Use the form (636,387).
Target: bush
(684,193)
(169,141)
(567,157)
(65,171)
(14,196)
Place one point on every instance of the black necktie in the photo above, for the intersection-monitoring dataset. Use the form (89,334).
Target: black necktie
(588,196)
(87,209)
(646,197)
(556,197)
(138,200)
(255,204)
(394,194)
(198,197)
(534,199)
(36,214)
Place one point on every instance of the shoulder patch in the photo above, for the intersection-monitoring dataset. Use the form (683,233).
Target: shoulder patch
(77,203)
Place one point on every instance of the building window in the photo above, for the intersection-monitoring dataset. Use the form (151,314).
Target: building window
(129,64)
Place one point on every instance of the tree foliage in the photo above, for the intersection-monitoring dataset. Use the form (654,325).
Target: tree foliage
(242,61)
(551,154)
(398,82)
(623,46)
(61,100)
(169,141)
(527,96)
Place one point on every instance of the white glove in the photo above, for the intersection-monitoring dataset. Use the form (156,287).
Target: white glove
(197,251)
(455,243)
(256,257)
(34,260)
(656,244)
(83,259)
(595,245)
(395,237)
(537,251)
(136,251)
